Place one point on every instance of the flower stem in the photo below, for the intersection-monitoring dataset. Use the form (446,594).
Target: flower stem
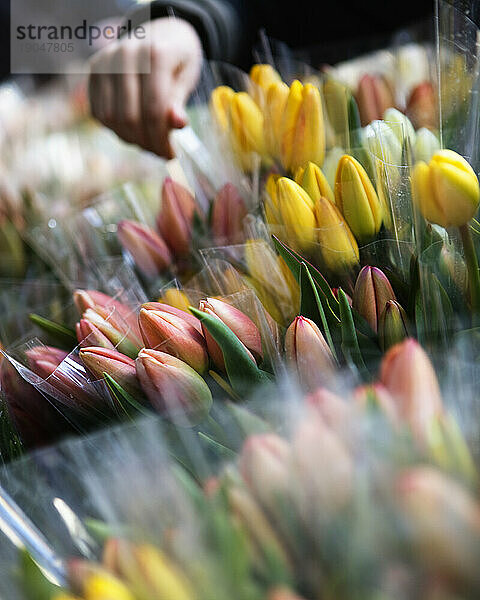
(473,273)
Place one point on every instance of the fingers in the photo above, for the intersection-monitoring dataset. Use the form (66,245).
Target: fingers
(128,120)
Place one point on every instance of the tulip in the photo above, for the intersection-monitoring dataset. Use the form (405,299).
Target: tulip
(276,100)
(89,335)
(446,190)
(95,582)
(308,354)
(85,299)
(175,220)
(263,465)
(330,164)
(303,131)
(220,105)
(271,206)
(338,246)
(322,471)
(228,213)
(378,397)
(241,325)
(272,280)
(295,209)
(148,571)
(113,327)
(357,199)
(176,299)
(382,141)
(148,250)
(373,98)
(186,315)
(174,389)
(401,125)
(246,130)
(408,374)
(442,520)
(263,76)
(175,335)
(422,106)
(314,183)
(426,145)
(105,360)
(392,326)
(337,98)
(372,292)
(33,416)
(283,593)
(336,412)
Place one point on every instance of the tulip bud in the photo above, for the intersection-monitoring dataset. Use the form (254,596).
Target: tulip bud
(148,571)
(409,376)
(308,354)
(330,164)
(105,360)
(264,467)
(241,325)
(392,326)
(263,76)
(276,100)
(295,209)
(446,190)
(422,106)
(228,214)
(174,389)
(383,142)
(246,130)
(373,98)
(89,335)
(357,199)
(322,470)
(303,130)
(176,299)
(401,125)
(426,145)
(85,299)
(148,250)
(220,105)
(173,334)
(175,220)
(334,410)
(337,98)
(442,520)
(96,583)
(113,327)
(186,315)
(378,397)
(338,246)
(314,183)
(372,292)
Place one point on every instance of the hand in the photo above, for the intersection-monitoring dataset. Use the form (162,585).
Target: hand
(142,108)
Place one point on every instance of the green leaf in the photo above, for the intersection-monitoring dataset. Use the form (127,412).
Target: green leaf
(350,347)
(61,333)
(34,583)
(294,262)
(242,372)
(124,399)
(311,305)
(218,448)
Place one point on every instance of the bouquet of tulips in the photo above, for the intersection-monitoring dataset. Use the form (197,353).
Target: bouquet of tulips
(359,492)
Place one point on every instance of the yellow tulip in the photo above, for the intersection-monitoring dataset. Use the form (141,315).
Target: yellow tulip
(303,129)
(220,100)
(105,587)
(176,298)
(337,97)
(314,182)
(446,190)
(338,245)
(295,210)
(357,199)
(246,130)
(272,280)
(276,100)
(271,209)
(263,76)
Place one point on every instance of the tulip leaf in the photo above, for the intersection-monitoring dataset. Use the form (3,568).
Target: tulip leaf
(34,583)
(311,305)
(123,398)
(294,262)
(62,334)
(350,346)
(242,372)
(217,447)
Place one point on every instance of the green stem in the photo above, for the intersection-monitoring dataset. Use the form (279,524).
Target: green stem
(473,273)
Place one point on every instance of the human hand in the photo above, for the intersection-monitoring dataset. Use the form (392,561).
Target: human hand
(142,108)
